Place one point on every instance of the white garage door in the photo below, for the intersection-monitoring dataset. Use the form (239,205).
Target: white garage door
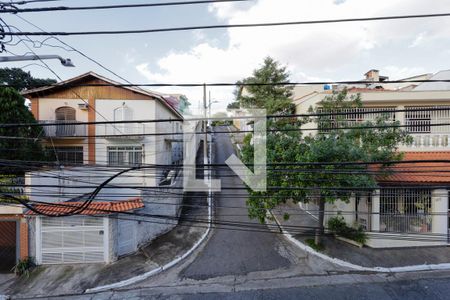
(75,239)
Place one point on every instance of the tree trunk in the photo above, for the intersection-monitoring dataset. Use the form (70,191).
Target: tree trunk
(321,229)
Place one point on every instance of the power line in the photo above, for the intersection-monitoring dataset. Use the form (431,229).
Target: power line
(318,114)
(189,28)
(232,84)
(117,6)
(27,2)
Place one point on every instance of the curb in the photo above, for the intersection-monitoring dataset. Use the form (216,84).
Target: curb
(343,263)
(158,270)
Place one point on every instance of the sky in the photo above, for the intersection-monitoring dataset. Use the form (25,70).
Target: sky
(345,51)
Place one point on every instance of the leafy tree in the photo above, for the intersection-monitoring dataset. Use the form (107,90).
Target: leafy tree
(234,105)
(314,162)
(283,135)
(340,140)
(274,98)
(18,143)
(20,80)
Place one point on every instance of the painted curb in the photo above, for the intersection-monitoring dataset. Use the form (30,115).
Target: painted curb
(164,267)
(343,263)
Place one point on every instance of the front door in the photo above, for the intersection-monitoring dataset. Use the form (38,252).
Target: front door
(8,246)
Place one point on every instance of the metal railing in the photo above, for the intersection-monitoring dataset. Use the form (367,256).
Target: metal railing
(63,128)
(131,131)
(406,223)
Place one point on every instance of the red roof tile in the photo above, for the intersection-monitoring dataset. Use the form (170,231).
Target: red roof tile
(94,208)
(420,172)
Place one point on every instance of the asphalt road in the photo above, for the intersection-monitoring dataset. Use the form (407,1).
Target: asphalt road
(234,252)
(407,290)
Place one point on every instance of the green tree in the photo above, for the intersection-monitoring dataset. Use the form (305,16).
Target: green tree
(283,134)
(263,93)
(18,143)
(20,80)
(341,140)
(314,162)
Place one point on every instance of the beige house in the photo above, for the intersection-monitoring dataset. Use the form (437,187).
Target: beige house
(411,207)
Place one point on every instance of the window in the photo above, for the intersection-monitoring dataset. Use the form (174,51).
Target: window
(423,119)
(418,121)
(68,155)
(63,115)
(405,210)
(348,117)
(124,155)
(123,113)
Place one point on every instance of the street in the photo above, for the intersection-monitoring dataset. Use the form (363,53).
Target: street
(236,264)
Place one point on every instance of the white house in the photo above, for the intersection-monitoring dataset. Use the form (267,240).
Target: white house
(410,207)
(89,153)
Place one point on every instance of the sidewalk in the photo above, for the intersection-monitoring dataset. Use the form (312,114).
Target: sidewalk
(366,257)
(65,279)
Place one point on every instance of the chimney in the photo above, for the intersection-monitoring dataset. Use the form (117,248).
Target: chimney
(373,75)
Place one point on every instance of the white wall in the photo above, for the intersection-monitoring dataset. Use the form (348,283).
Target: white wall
(47,107)
(65,184)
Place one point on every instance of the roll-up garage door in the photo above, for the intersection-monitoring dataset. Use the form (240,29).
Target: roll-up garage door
(75,239)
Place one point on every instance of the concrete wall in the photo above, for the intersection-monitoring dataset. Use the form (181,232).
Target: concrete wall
(165,203)
(73,182)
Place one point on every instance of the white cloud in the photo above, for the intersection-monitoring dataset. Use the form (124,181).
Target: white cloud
(309,49)
(418,40)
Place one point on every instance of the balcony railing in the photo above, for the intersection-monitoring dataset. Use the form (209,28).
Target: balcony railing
(63,129)
(430,141)
(124,131)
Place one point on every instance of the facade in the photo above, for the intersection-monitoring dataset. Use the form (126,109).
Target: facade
(410,208)
(88,154)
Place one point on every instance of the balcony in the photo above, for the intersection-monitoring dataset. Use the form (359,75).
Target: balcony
(64,129)
(122,131)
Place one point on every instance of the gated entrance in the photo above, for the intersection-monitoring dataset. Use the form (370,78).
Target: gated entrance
(8,247)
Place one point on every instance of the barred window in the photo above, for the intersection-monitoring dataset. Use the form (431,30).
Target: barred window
(348,117)
(124,155)
(423,119)
(68,155)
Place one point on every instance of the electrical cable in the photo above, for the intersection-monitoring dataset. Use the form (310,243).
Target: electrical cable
(220,26)
(117,6)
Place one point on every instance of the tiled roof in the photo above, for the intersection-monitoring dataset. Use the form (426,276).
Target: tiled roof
(420,172)
(94,208)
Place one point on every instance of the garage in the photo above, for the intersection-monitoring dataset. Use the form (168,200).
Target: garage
(8,245)
(75,239)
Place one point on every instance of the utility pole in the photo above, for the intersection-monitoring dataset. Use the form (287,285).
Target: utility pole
(205,127)
(209,104)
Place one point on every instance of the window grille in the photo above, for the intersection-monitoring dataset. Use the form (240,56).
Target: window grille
(405,210)
(419,120)
(353,116)
(68,155)
(124,156)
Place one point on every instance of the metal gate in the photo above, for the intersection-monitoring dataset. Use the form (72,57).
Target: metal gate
(77,239)
(8,247)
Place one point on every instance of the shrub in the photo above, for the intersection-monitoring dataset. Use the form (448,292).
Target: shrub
(338,226)
(313,245)
(24,266)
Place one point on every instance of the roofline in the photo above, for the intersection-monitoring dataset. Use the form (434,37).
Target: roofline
(138,90)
